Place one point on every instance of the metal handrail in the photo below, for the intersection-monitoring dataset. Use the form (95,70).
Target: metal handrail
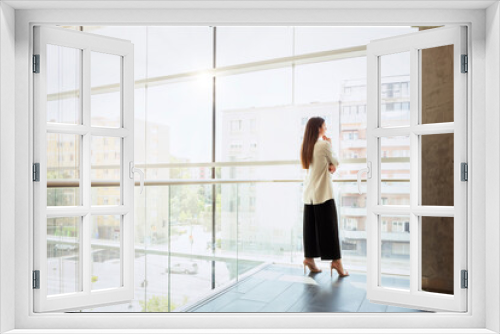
(233,163)
(176,182)
(315,57)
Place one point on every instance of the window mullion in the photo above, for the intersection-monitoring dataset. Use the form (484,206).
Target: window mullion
(415,262)
(86,173)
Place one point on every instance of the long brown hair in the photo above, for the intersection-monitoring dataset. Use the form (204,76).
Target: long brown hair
(311,135)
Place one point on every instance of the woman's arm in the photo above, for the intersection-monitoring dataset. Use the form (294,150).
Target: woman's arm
(330,155)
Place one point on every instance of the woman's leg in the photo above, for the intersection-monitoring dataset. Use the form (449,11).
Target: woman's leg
(311,249)
(327,222)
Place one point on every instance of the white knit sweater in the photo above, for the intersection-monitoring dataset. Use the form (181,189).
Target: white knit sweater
(318,186)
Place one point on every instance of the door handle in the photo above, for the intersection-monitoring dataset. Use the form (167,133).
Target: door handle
(368,171)
(133,170)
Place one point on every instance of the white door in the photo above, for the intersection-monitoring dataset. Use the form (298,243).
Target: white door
(83,157)
(417,142)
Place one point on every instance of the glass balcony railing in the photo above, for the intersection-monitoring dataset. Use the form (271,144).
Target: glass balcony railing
(194,236)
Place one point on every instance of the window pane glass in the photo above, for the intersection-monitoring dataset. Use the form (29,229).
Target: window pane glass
(168,52)
(63,255)
(105,239)
(180,113)
(437,176)
(63,169)
(437,84)
(255,118)
(437,254)
(259,43)
(395,251)
(190,240)
(395,100)
(271,108)
(317,38)
(105,170)
(63,84)
(351,212)
(226,233)
(137,35)
(395,164)
(105,78)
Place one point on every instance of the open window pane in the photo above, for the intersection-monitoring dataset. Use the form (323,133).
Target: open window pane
(437,254)
(437,169)
(63,255)
(106,89)
(438,250)
(105,175)
(63,84)
(63,169)
(106,248)
(395,89)
(437,84)
(395,165)
(395,251)
(81,165)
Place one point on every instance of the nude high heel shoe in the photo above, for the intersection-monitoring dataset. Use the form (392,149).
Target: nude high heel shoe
(334,264)
(311,268)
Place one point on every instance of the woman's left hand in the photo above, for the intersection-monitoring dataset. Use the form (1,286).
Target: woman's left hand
(331,168)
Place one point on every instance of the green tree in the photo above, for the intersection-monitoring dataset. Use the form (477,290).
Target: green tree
(159,304)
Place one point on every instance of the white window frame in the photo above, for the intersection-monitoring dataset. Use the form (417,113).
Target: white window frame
(85,297)
(411,44)
(476,319)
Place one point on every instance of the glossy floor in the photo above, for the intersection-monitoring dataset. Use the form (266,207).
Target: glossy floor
(278,288)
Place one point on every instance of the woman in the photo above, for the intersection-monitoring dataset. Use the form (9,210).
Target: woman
(321,238)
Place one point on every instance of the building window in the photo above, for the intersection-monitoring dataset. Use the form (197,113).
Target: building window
(350,224)
(397,226)
(396,88)
(253,124)
(236,145)
(404,89)
(384,226)
(350,201)
(399,248)
(236,125)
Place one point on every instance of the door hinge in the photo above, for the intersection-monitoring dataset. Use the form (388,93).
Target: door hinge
(465,279)
(465,63)
(36,279)
(464,171)
(36,172)
(36,63)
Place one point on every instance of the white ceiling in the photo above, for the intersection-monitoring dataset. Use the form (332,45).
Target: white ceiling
(250,4)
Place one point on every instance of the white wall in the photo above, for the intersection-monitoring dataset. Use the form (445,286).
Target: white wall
(7,159)
(306,17)
(492,151)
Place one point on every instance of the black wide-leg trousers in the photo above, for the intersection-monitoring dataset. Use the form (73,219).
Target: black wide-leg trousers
(321,232)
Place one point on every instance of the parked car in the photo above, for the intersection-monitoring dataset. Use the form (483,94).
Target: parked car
(183,268)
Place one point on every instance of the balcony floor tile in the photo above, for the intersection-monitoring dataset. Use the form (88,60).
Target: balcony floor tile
(282,288)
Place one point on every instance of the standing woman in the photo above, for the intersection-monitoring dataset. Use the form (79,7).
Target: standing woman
(321,235)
